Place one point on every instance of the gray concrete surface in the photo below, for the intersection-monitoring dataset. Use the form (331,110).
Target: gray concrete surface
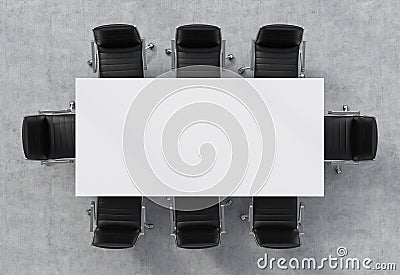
(44,46)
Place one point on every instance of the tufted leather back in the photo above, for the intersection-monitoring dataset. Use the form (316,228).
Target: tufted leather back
(198,44)
(119,51)
(364,138)
(49,136)
(275,212)
(277,51)
(35,137)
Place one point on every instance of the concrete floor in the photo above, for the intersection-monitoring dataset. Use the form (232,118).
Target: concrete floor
(44,46)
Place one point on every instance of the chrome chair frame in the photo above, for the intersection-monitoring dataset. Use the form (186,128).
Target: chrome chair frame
(91,212)
(300,217)
(172,53)
(68,111)
(94,61)
(221,217)
(345,112)
(302,60)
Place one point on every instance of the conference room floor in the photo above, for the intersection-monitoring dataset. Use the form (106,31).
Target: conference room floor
(44,228)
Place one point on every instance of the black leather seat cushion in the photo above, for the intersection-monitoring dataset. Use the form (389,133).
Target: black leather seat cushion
(275,212)
(350,138)
(199,228)
(277,51)
(118,222)
(275,222)
(198,44)
(49,136)
(119,51)
(338,137)
(364,138)
(61,136)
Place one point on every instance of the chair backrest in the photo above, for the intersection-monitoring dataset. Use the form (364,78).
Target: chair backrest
(119,213)
(120,51)
(198,44)
(364,138)
(35,137)
(49,136)
(277,51)
(275,213)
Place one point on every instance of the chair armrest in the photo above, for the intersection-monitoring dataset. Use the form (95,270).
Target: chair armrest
(341,113)
(145,47)
(49,162)
(252,54)
(345,111)
(70,110)
(171,51)
(172,215)
(251,216)
(92,215)
(342,162)
(222,213)
(172,220)
(230,56)
(300,225)
(142,219)
(303,60)
(143,223)
(93,61)
(242,69)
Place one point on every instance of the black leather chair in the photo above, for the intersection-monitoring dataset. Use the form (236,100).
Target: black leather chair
(349,137)
(197,229)
(278,52)
(49,137)
(118,51)
(198,45)
(120,221)
(276,222)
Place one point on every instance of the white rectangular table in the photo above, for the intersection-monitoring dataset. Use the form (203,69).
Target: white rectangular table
(120,135)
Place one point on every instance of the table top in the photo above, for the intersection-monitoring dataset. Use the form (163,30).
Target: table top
(199,137)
